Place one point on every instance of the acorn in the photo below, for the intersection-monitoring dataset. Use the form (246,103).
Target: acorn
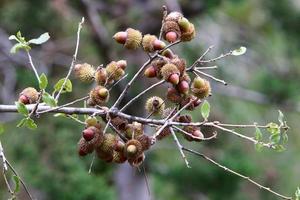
(119,123)
(171,31)
(119,146)
(158,64)
(84,147)
(198,135)
(184,24)
(183,87)
(189,34)
(114,71)
(173,95)
(170,73)
(84,72)
(106,148)
(148,43)
(200,87)
(180,64)
(91,121)
(101,76)
(133,130)
(155,105)
(28,96)
(122,64)
(99,95)
(189,130)
(150,71)
(120,37)
(158,45)
(145,141)
(195,102)
(134,39)
(119,157)
(133,149)
(88,134)
(138,161)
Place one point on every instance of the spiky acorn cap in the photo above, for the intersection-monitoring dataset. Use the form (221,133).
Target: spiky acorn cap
(119,123)
(185,77)
(133,148)
(114,71)
(180,64)
(155,105)
(173,95)
(29,95)
(170,73)
(119,157)
(109,142)
(134,39)
(84,72)
(101,76)
(105,156)
(174,16)
(158,64)
(99,95)
(133,130)
(85,147)
(165,133)
(148,43)
(138,161)
(189,34)
(122,64)
(145,141)
(171,27)
(200,87)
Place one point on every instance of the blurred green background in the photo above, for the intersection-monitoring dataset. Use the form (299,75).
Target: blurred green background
(262,81)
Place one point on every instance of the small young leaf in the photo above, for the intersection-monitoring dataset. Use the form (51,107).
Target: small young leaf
(42,39)
(49,100)
(43,81)
(273,128)
(21,108)
(205,110)
(67,87)
(258,134)
(275,138)
(280,117)
(30,124)
(19,46)
(239,51)
(17,183)
(258,147)
(1,128)
(22,122)
(20,37)
(13,37)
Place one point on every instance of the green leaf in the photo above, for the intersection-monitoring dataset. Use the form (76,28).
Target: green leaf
(280,117)
(49,100)
(21,108)
(17,183)
(67,87)
(258,147)
(205,109)
(275,138)
(22,122)
(1,128)
(273,128)
(19,46)
(43,81)
(20,37)
(297,194)
(27,122)
(258,134)
(40,40)
(239,51)
(279,148)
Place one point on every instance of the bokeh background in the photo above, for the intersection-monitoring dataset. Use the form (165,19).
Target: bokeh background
(262,81)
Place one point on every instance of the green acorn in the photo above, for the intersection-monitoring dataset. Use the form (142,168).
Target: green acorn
(155,105)
(91,121)
(200,87)
(184,24)
(133,149)
(28,96)
(99,95)
(189,34)
(84,72)
(170,73)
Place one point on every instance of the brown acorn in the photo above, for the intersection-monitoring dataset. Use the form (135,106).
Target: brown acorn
(170,73)
(99,95)
(101,76)
(180,64)
(173,95)
(200,87)
(28,96)
(145,141)
(84,147)
(189,34)
(134,39)
(150,71)
(84,72)
(119,123)
(183,87)
(155,105)
(133,149)
(114,71)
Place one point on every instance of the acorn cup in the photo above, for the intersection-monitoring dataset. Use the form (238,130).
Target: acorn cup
(101,76)
(119,157)
(98,96)
(155,105)
(133,149)
(189,34)
(145,141)
(115,70)
(133,130)
(131,38)
(85,147)
(84,72)
(170,73)
(28,96)
(105,150)
(200,87)
(173,95)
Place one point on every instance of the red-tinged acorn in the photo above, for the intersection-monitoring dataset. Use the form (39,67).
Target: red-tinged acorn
(120,37)
(29,96)
(171,36)
(159,45)
(183,87)
(150,72)
(168,53)
(88,134)
(170,73)
(198,135)
(122,64)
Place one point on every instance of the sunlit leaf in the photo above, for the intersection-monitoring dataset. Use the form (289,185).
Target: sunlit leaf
(21,108)
(43,81)
(273,128)
(49,100)
(205,109)
(275,138)
(40,40)
(239,51)
(67,87)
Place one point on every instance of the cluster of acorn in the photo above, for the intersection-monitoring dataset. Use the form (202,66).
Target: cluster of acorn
(111,148)
(28,96)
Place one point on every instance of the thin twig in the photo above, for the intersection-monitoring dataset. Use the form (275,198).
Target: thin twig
(194,137)
(73,60)
(165,13)
(180,148)
(33,67)
(37,104)
(92,163)
(217,58)
(235,173)
(205,68)
(116,83)
(199,59)
(210,76)
(75,119)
